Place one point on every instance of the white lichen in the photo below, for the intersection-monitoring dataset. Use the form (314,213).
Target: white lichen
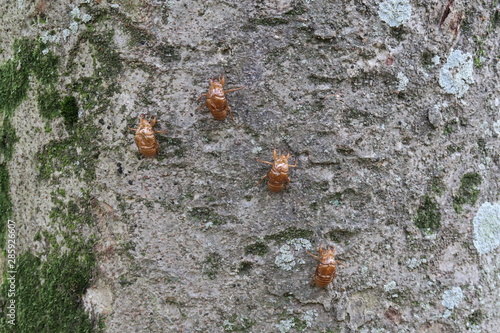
(75,13)
(286,258)
(73,27)
(86,18)
(496,127)
(487,227)
(285,325)
(414,262)
(452,297)
(390,286)
(66,33)
(456,75)
(436,60)
(394,12)
(403,81)
(52,38)
(310,317)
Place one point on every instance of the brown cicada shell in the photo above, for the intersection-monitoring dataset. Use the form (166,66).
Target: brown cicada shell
(145,137)
(216,100)
(277,177)
(327,267)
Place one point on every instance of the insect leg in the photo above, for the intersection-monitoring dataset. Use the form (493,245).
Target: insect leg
(264,177)
(153,122)
(313,255)
(341,263)
(231,90)
(132,129)
(264,161)
(203,95)
(230,112)
(275,154)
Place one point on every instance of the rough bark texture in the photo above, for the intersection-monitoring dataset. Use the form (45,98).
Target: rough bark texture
(391,109)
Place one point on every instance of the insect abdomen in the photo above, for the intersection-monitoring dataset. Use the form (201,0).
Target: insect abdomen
(219,114)
(277,180)
(324,275)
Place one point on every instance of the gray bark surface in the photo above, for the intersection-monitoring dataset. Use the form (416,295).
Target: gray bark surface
(394,128)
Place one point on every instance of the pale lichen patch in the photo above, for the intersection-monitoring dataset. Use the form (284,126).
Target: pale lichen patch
(487,227)
(286,258)
(452,297)
(394,12)
(456,75)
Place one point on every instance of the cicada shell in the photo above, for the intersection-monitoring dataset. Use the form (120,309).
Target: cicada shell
(216,100)
(145,137)
(326,270)
(278,177)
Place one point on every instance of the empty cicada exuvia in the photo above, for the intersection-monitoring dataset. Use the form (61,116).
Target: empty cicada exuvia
(277,177)
(326,270)
(145,137)
(216,100)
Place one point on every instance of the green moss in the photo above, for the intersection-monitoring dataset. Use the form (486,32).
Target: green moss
(238,324)
(245,267)
(109,60)
(48,293)
(336,199)
(164,139)
(50,239)
(167,53)
(14,85)
(476,317)
(69,110)
(481,145)
(428,218)
(76,154)
(339,236)
(450,127)
(299,324)
(49,103)
(453,148)
(71,215)
(427,58)
(288,234)
(91,91)
(468,191)
(207,215)
(31,57)
(437,186)
(212,264)
(96,90)
(28,59)
(259,248)
(8,139)
(5,202)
